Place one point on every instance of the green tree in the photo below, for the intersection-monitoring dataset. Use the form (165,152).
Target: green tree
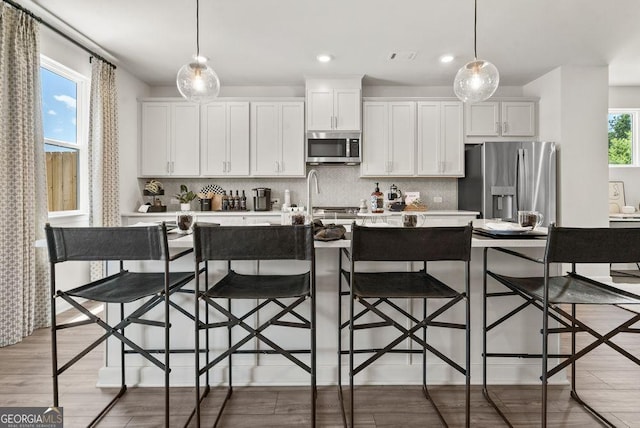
(620,139)
(619,125)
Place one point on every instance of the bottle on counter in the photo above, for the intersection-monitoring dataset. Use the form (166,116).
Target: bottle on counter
(231,201)
(225,201)
(377,200)
(236,202)
(243,202)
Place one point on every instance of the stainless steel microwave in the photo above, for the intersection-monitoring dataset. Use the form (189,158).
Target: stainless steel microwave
(333,147)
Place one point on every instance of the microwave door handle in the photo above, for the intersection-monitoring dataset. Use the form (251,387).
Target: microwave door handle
(347,151)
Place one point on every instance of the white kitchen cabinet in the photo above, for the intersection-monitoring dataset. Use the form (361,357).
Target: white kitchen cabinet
(277,139)
(501,119)
(389,138)
(334,104)
(440,139)
(169,143)
(224,130)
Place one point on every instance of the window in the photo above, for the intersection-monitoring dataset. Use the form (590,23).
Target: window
(65,135)
(624,148)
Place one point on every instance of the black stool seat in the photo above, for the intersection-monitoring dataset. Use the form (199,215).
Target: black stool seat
(569,289)
(240,286)
(399,285)
(127,287)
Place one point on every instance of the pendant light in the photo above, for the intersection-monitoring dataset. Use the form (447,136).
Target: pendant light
(197,82)
(477,80)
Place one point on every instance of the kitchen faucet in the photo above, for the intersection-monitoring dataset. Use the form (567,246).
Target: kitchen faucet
(313,173)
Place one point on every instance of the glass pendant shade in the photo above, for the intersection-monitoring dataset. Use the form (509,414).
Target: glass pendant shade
(197,82)
(476,81)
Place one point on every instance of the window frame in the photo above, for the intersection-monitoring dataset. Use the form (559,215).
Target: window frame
(635,137)
(82,134)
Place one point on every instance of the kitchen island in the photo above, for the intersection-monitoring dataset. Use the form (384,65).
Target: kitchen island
(392,369)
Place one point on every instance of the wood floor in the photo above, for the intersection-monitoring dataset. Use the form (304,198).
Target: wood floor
(607,380)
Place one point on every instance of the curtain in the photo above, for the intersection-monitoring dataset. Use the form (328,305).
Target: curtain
(24,284)
(103,151)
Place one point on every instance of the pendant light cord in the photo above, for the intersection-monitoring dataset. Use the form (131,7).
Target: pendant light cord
(198,30)
(475,31)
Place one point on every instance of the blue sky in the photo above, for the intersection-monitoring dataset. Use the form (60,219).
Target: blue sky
(59,96)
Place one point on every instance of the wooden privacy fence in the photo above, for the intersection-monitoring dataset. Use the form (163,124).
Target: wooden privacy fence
(62,181)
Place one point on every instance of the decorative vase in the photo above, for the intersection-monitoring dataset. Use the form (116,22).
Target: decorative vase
(184,221)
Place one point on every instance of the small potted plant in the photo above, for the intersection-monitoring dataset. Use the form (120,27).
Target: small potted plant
(185,197)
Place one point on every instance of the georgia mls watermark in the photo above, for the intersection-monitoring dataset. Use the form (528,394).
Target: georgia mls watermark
(31,417)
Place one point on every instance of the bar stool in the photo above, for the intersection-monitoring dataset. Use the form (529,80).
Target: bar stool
(284,293)
(115,244)
(376,291)
(551,295)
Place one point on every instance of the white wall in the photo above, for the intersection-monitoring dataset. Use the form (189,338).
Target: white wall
(573,109)
(626,97)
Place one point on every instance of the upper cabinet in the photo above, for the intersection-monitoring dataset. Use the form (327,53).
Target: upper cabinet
(277,139)
(440,139)
(224,132)
(170,143)
(389,138)
(334,104)
(501,118)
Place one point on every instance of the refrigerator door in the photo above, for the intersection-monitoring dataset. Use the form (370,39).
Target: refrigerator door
(536,184)
(500,179)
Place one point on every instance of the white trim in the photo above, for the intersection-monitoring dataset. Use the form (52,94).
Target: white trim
(82,132)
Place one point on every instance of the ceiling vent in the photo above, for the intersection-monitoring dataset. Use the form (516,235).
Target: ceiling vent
(401,56)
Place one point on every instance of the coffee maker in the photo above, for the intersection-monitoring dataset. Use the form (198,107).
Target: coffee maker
(261,199)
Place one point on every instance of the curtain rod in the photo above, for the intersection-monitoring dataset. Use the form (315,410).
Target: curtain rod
(60,33)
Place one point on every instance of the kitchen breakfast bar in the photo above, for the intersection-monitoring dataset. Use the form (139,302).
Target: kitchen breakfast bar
(263,369)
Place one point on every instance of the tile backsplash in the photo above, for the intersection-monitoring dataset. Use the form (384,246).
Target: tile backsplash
(339,186)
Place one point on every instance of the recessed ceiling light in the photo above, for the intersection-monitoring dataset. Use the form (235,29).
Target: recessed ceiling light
(446,58)
(324,57)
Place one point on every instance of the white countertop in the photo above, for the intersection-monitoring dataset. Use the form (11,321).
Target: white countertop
(476,242)
(278,212)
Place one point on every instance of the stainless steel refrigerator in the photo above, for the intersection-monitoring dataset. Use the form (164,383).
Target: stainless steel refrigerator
(502,178)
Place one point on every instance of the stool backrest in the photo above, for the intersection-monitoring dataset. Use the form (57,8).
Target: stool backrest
(411,244)
(592,245)
(106,243)
(253,242)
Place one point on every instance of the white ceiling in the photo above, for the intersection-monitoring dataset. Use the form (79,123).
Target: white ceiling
(275,42)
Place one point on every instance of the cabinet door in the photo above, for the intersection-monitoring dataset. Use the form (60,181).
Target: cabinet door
(346,109)
(237,135)
(452,140)
(402,138)
(213,131)
(518,118)
(319,109)
(265,139)
(483,119)
(374,139)
(155,139)
(292,135)
(185,141)
(429,147)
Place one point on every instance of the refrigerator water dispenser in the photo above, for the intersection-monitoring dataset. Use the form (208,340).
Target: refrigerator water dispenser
(503,202)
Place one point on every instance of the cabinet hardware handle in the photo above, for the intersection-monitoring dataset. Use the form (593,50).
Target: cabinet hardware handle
(504,127)
(497,128)
(224,166)
(277,167)
(168,168)
(229,166)
(172,167)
